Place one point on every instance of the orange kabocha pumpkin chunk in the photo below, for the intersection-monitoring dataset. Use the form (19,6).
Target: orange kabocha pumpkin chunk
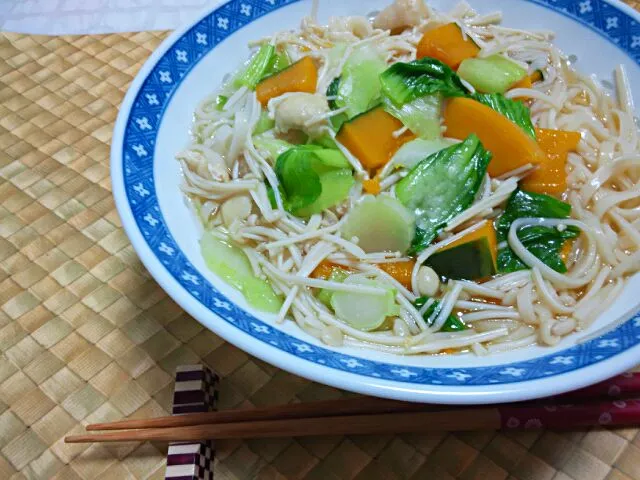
(447,44)
(372,186)
(551,176)
(400,271)
(369,137)
(510,146)
(302,76)
(536,76)
(324,269)
(472,257)
(524,83)
(566,250)
(485,231)
(529,80)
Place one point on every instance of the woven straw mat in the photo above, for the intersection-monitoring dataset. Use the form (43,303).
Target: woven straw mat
(86,335)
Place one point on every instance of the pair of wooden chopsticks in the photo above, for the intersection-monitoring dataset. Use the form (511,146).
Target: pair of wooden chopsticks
(605,403)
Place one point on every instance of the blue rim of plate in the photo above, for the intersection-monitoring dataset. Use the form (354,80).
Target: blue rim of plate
(141,129)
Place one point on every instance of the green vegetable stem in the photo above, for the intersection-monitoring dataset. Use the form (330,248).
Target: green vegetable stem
(494,74)
(265,62)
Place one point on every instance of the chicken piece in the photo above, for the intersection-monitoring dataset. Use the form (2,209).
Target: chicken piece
(298,111)
(236,209)
(206,162)
(356,25)
(402,13)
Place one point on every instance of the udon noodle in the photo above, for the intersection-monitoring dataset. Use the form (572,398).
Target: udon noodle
(229,180)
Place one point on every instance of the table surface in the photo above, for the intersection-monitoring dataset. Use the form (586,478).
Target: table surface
(86,335)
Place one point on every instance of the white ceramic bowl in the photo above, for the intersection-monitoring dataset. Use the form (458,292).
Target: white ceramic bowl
(153,125)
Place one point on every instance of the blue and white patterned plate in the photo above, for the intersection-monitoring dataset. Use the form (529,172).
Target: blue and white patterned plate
(153,125)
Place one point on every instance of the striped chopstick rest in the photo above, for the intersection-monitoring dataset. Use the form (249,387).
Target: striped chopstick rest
(195,391)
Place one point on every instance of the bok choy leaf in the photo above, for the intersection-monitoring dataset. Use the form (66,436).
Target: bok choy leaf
(452,324)
(423,115)
(313,178)
(441,186)
(543,242)
(405,85)
(403,82)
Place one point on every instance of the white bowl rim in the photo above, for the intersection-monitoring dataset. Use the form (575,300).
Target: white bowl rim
(449,394)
